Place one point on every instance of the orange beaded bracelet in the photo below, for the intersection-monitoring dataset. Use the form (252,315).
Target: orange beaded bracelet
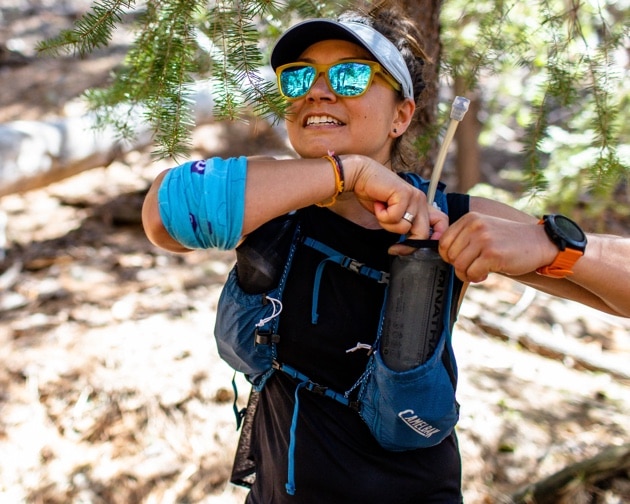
(339,179)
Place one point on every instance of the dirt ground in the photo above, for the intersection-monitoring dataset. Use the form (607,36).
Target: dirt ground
(111,390)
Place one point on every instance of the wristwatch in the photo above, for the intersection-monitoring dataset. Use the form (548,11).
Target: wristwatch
(571,243)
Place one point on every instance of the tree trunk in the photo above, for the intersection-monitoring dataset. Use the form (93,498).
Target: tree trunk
(426,13)
(467,158)
(427,16)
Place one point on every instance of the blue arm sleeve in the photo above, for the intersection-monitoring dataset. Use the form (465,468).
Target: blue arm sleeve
(202,203)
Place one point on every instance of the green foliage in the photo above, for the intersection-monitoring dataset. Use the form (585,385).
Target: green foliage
(233,31)
(91,31)
(554,76)
(179,42)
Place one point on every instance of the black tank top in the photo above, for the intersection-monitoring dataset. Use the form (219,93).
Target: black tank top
(336,458)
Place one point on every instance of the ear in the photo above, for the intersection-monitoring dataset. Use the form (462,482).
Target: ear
(402,117)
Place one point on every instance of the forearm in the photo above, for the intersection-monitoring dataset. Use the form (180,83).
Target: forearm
(604,270)
(600,279)
(272,188)
(276,187)
(225,208)
(511,242)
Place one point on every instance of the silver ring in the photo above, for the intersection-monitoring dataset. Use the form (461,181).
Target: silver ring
(409,217)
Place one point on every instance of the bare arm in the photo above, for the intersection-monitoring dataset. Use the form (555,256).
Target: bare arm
(497,238)
(275,187)
(152,223)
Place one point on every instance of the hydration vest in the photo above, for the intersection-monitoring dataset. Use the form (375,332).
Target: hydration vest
(404,410)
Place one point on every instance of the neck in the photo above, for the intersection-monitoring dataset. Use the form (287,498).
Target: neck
(349,208)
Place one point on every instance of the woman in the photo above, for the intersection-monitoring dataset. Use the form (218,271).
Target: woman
(355,202)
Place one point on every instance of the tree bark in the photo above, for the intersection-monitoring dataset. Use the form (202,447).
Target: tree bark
(426,13)
(467,157)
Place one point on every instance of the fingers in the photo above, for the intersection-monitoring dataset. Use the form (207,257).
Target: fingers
(438,221)
(429,223)
(398,206)
(477,245)
(413,219)
(400,249)
(457,248)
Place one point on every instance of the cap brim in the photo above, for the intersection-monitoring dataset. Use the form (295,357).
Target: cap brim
(303,35)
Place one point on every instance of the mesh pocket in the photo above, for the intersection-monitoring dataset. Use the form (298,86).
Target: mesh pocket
(238,314)
(410,409)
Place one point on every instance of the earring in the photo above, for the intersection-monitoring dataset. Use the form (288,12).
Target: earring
(395,130)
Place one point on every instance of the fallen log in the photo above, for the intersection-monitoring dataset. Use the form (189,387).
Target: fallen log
(563,486)
(34,154)
(545,343)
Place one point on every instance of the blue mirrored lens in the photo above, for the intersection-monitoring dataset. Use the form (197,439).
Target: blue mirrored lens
(296,81)
(349,79)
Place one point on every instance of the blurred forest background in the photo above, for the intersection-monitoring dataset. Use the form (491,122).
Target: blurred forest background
(110,387)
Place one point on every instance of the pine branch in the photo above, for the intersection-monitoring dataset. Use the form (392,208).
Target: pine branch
(258,93)
(169,105)
(179,42)
(158,74)
(91,31)
(605,89)
(166,57)
(534,176)
(239,60)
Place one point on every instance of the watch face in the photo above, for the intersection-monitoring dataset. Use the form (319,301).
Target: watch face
(569,229)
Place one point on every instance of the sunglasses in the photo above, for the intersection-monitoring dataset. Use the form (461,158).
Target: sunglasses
(347,79)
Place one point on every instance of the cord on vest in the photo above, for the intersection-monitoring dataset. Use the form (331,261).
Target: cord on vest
(277,309)
(360,346)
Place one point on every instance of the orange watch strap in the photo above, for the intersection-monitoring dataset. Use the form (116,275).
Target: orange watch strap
(562,265)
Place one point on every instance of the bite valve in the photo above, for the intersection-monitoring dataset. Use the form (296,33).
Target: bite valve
(459,108)
(458,111)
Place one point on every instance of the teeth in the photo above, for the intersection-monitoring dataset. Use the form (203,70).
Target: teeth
(313,120)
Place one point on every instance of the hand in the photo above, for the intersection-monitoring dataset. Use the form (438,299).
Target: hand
(439,223)
(478,244)
(390,198)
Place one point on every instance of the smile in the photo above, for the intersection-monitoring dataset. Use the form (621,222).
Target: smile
(322,120)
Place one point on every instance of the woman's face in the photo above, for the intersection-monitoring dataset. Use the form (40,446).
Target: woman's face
(321,121)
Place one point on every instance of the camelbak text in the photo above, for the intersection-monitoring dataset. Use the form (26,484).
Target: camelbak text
(417,424)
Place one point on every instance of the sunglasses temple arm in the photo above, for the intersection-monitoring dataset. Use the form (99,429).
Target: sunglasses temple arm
(458,111)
